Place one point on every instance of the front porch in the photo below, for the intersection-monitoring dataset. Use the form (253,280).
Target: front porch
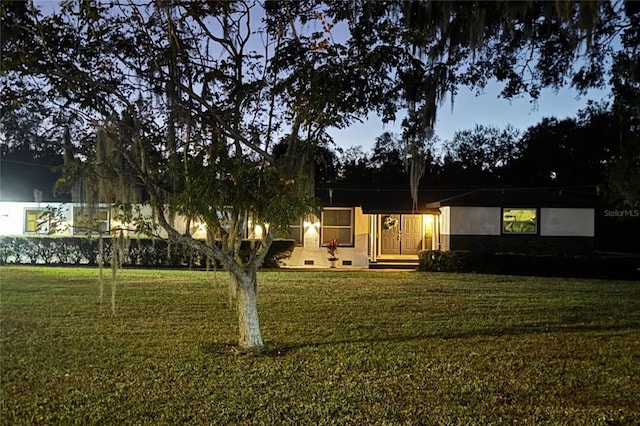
(368,240)
(396,238)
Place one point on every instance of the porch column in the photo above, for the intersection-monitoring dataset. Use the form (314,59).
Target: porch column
(373,235)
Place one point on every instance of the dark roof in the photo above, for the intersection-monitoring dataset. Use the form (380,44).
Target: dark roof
(380,201)
(375,201)
(520,197)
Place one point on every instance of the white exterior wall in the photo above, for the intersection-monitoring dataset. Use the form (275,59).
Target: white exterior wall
(474,221)
(311,250)
(565,222)
(12,216)
(445,220)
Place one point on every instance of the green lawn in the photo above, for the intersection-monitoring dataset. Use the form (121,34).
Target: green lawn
(345,348)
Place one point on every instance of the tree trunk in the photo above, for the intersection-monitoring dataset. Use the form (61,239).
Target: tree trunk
(248,324)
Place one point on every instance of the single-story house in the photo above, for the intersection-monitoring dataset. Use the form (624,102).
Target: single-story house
(384,226)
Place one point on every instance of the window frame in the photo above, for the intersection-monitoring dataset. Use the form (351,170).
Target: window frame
(40,212)
(536,223)
(287,236)
(350,227)
(86,212)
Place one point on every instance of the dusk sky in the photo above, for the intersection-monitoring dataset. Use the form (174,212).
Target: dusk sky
(486,109)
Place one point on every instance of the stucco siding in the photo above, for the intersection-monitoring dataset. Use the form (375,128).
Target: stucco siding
(312,255)
(566,222)
(12,216)
(445,220)
(475,221)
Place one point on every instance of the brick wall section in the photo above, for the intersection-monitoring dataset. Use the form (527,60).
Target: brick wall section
(529,244)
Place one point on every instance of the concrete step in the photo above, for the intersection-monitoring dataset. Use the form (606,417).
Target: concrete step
(388,264)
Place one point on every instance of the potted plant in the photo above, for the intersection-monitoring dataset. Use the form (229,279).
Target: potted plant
(332,249)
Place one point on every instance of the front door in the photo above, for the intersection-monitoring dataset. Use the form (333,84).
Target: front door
(401,234)
(390,235)
(411,234)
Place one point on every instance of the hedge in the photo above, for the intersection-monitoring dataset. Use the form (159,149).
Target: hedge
(624,267)
(137,252)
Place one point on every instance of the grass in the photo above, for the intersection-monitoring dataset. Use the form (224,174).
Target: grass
(345,348)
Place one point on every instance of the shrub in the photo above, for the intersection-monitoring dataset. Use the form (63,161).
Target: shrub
(450,261)
(522,264)
(7,250)
(137,252)
(279,250)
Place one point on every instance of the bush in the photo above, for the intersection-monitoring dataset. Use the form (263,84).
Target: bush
(522,264)
(137,252)
(442,261)
(279,250)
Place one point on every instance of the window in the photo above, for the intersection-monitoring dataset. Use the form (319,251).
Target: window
(293,233)
(337,224)
(37,221)
(519,221)
(86,220)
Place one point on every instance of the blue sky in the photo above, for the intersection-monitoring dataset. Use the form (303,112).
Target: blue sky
(486,109)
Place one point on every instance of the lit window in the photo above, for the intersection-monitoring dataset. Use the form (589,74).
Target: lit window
(519,221)
(87,221)
(37,221)
(337,224)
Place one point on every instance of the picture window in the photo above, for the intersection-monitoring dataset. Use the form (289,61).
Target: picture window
(519,221)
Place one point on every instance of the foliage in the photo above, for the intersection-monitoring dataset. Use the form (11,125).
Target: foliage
(139,252)
(388,157)
(585,150)
(443,261)
(322,157)
(536,265)
(624,173)
(389,221)
(332,249)
(571,151)
(437,46)
(484,148)
(424,348)
(182,102)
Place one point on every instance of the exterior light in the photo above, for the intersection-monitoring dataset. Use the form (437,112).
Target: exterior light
(257,232)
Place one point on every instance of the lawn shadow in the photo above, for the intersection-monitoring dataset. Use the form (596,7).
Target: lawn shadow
(282,349)
(518,330)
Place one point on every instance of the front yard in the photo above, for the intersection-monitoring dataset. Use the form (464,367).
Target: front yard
(344,348)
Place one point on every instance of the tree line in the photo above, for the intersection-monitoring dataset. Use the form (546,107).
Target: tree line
(585,150)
